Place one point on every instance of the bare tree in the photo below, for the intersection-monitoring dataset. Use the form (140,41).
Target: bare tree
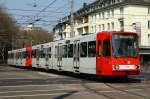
(11,37)
(8,33)
(36,37)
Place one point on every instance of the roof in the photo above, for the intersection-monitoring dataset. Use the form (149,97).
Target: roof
(138,2)
(104,4)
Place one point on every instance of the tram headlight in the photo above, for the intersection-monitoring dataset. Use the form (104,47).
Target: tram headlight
(116,67)
(137,67)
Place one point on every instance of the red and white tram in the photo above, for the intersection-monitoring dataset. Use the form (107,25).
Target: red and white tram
(103,54)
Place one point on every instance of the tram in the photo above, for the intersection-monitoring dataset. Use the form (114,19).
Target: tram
(102,54)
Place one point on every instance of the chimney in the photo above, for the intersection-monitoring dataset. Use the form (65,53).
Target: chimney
(84,5)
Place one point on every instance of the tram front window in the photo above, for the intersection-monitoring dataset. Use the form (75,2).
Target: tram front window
(124,45)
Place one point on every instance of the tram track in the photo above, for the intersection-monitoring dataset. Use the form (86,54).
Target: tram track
(95,91)
(126,91)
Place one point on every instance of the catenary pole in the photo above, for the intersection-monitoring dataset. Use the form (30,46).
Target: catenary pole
(72,34)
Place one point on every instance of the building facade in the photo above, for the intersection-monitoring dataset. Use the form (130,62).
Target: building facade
(109,15)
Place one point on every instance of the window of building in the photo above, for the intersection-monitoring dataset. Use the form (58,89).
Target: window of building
(70,50)
(99,27)
(148,24)
(108,14)
(106,48)
(83,49)
(94,17)
(118,1)
(121,25)
(103,27)
(112,26)
(64,34)
(108,26)
(95,29)
(92,29)
(112,13)
(113,1)
(91,48)
(103,15)
(49,52)
(99,48)
(99,16)
(148,37)
(121,12)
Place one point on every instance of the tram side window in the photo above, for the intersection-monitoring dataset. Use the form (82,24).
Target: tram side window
(42,53)
(83,49)
(56,50)
(12,56)
(20,55)
(106,48)
(45,52)
(70,50)
(24,54)
(64,51)
(91,48)
(99,48)
(34,53)
(49,52)
(16,55)
(37,53)
(9,56)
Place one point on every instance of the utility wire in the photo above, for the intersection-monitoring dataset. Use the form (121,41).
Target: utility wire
(36,15)
(45,8)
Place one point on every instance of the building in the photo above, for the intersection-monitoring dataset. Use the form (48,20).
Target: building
(32,28)
(111,15)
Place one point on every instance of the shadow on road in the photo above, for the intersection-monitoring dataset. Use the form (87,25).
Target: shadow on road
(65,95)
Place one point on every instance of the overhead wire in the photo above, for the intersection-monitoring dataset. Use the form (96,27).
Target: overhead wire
(36,15)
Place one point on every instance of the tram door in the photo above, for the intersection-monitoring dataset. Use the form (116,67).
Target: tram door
(76,55)
(48,58)
(59,57)
(37,57)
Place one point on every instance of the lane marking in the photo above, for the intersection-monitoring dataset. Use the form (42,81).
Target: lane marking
(38,85)
(38,90)
(34,95)
(81,89)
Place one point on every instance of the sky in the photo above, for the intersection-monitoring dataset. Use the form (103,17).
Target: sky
(23,11)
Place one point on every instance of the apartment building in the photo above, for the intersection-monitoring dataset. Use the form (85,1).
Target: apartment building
(110,15)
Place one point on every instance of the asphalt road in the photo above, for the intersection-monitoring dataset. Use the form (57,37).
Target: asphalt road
(19,83)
